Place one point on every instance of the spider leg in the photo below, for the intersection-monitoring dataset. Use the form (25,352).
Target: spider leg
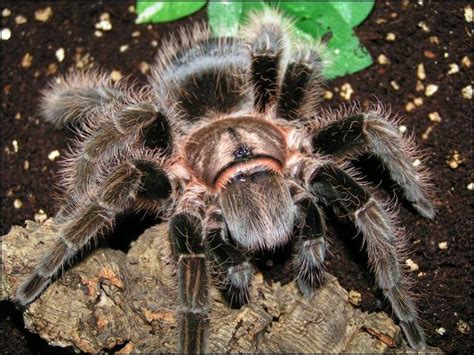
(381,239)
(266,35)
(373,133)
(233,268)
(125,185)
(78,96)
(193,282)
(310,247)
(301,85)
(134,125)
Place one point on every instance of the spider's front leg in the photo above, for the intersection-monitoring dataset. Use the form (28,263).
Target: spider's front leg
(310,248)
(79,96)
(373,133)
(381,239)
(193,282)
(234,270)
(266,35)
(125,186)
(310,245)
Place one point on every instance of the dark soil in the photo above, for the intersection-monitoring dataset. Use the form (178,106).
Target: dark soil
(444,278)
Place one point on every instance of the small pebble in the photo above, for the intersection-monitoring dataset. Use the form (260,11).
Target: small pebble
(98,34)
(53,155)
(6,34)
(136,34)
(443,245)
(60,54)
(328,95)
(52,69)
(420,71)
(116,75)
(419,86)
(6,12)
(27,60)
(18,116)
(424,27)
(466,62)
(418,101)
(441,331)
(104,24)
(429,54)
(468,14)
(434,40)
(383,60)
(462,327)
(446,54)
(40,216)
(17,204)
(421,274)
(467,92)
(410,106)
(434,117)
(26,165)
(355,298)
(470,186)
(123,48)
(346,91)
(431,90)
(426,133)
(402,129)
(453,69)
(20,20)
(412,265)
(395,85)
(43,15)
(154,43)
(144,67)
(390,37)
(15,146)
(454,160)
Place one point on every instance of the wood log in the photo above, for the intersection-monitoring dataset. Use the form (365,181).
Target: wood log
(115,301)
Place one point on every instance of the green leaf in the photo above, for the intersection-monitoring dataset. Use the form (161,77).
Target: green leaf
(224,17)
(165,11)
(315,19)
(346,55)
(353,12)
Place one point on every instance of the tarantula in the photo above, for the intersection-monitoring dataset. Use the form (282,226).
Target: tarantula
(228,144)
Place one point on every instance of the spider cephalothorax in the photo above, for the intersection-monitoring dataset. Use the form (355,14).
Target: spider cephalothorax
(228,144)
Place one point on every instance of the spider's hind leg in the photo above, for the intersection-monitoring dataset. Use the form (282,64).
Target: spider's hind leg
(125,185)
(372,132)
(381,238)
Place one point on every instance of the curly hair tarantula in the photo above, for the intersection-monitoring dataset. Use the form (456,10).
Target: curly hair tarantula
(228,144)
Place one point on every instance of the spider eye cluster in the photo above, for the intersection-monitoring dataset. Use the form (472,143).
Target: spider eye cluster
(243,153)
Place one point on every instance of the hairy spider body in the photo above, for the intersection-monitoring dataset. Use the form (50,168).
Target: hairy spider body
(227,143)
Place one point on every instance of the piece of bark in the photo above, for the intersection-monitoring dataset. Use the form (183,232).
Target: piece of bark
(110,300)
